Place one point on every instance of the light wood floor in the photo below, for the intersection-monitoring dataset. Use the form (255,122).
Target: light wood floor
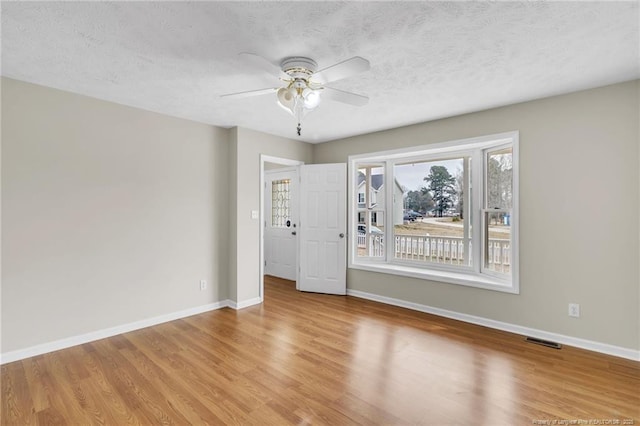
(318,359)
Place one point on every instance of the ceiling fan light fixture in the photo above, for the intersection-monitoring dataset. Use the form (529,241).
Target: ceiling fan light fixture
(311,98)
(299,110)
(285,97)
(297,101)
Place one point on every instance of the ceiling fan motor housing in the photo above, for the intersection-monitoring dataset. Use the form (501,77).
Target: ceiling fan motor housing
(299,67)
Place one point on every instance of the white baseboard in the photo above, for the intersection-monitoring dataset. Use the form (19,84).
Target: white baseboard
(245,303)
(604,348)
(108,332)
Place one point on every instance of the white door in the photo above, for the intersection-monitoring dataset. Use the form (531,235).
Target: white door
(323,228)
(281,217)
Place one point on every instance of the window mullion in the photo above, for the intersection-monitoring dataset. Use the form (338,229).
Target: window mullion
(389,204)
(367,214)
(466,200)
(477,202)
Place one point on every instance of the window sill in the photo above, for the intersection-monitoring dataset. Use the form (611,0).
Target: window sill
(449,277)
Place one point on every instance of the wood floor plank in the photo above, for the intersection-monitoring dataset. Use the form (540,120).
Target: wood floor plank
(170,381)
(118,410)
(302,358)
(17,402)
(37,382)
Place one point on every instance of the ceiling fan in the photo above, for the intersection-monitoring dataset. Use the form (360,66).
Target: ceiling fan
(303,85)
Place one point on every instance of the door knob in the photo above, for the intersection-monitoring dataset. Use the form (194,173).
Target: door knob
(341,235)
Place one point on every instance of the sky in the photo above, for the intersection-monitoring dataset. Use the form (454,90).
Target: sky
(412,176)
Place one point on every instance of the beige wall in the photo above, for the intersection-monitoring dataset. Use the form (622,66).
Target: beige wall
(248,145)
(110,214)
(579,209)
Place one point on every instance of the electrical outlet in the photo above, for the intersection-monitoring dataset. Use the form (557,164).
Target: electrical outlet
(574,310)
(203,284)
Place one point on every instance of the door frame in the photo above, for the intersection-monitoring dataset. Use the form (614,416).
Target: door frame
(285,162)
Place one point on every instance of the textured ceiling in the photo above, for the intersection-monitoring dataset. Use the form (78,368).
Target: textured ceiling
(428,59)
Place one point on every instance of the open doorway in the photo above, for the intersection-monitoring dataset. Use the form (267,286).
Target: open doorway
(280,221)
(318,228)
(279,254)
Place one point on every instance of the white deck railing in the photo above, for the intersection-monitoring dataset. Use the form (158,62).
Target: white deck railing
(375,248)
(447,250)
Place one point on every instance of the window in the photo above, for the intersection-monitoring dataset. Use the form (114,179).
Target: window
(497,210)
(444,212)
(370,211)
(280,203)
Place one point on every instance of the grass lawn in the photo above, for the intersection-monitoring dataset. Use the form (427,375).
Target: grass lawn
(445,227)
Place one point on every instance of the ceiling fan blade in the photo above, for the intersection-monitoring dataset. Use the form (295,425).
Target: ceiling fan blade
(259,62)
(248,93)
(344,97)
(342,70)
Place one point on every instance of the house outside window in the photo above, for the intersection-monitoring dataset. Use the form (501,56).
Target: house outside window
(450,214)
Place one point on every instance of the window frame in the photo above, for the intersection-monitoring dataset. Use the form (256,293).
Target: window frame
(476,275)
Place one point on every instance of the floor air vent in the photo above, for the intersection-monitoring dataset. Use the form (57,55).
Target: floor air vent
(547,343)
